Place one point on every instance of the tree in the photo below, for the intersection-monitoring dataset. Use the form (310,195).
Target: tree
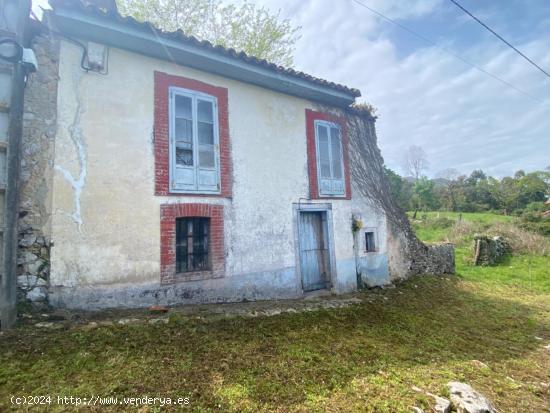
(448,193)
(400,189)
(415,161)
(243,27)
(424,197)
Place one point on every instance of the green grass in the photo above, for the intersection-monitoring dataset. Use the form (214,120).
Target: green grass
(481,217)
(434,233)
(364,358)
(525,271)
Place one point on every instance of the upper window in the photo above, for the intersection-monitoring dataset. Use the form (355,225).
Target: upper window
(330,164)
(194,142)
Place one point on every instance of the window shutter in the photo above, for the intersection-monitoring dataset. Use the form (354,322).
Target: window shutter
(207,144)
(330,168)
(194,142)
(338,186)
(323,160)
(183,158)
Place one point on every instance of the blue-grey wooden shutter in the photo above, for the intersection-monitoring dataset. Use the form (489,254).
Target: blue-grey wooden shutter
(207,145)
(330,167)
(183,158)
(194,142)
(323,159)
(338,185)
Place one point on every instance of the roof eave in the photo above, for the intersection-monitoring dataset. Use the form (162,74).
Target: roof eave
(147,42)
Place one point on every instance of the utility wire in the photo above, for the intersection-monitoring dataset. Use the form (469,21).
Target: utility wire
(448,51)
(499,37)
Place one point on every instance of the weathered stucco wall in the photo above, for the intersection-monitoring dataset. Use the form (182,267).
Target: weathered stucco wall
(105,220)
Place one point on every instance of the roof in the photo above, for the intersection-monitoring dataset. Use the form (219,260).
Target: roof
(107,25)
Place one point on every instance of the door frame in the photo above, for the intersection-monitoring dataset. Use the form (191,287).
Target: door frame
(326,208)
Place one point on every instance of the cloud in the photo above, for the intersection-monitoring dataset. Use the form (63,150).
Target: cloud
(461,117)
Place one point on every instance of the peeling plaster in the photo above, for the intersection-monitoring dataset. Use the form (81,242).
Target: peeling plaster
(77,137)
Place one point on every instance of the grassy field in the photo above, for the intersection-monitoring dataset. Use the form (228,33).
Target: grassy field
(480,217)
(433,233)
(525,271)
(363,358)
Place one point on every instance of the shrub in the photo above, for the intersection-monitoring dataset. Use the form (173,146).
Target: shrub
(463,231)
(536,222)
(521,240)
(540,227)
(536,207)
(437,223)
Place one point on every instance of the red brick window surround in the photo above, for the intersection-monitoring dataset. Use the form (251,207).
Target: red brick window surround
(311,117)
(168,215)
(163,82)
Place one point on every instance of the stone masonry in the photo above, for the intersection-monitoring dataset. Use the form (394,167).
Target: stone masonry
(36,173)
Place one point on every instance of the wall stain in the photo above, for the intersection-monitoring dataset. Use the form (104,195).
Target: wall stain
(77,137)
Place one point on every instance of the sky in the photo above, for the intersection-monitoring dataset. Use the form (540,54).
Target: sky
(461,117)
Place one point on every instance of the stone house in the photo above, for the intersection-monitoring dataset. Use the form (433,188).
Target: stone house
(158,169)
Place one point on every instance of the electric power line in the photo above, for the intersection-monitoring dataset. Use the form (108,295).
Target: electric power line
(448,51)
(499,37)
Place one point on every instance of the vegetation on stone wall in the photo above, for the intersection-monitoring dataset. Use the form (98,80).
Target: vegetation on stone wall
(371,181)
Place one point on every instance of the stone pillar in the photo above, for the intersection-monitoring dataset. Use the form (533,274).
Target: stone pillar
(39,129)
(12,78)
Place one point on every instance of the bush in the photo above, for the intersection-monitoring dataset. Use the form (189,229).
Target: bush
(437,223)
(536,222)
(463,231)
(541,227)
(521,240)
(531,217)
(536,207)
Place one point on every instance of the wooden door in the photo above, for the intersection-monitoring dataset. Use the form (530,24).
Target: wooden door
(314,258)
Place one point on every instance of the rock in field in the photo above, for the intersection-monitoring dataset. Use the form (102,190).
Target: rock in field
(442,405)
(467,400)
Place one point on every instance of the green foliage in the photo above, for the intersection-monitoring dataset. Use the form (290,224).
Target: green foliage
(526,268)
(400,189)
(536,207)
(424,196)
(441,222)
(243,27)
(535,222)
(474,193)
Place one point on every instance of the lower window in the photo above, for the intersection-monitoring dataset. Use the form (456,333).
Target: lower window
(192,244)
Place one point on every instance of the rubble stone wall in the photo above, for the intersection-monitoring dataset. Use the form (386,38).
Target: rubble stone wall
(39,129)
(409,256)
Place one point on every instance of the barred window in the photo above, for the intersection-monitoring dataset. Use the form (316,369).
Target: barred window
(192,244)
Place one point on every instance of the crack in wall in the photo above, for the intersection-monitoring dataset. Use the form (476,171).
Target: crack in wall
(77,138)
